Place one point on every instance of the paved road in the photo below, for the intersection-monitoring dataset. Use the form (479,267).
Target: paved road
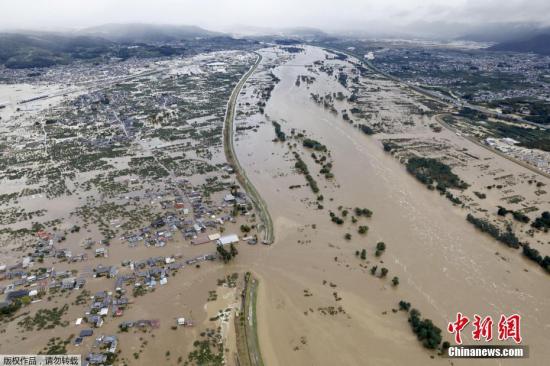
(231,157)
(251,330)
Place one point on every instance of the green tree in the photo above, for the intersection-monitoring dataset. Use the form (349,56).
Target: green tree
(380,248)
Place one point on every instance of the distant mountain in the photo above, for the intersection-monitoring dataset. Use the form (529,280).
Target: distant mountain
(503,32)
(29,49)
(147,33)
(538,44)
(47,49)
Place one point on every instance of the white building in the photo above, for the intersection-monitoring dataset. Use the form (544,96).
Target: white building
(228,239)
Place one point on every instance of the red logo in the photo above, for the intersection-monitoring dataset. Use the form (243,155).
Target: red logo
(509,327)
(457,326)
(482,328)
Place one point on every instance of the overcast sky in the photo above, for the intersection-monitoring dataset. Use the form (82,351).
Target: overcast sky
(220,14)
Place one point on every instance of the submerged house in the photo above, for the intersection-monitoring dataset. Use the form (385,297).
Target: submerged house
(228,239)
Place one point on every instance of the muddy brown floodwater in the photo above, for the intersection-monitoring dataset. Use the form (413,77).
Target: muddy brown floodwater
(443,263)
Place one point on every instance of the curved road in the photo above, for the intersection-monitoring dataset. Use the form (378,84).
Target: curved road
(231,157)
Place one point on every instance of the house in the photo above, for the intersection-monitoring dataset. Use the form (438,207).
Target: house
(33,293)
(101,252)
(68,283)
(158,223)
(86,333)
(79,283)
(229,198)
(27,261)
(228,239)
(201,239)
(213,237)
(96,321)
(111,342)
(17,294)
(108,272)
(96,358)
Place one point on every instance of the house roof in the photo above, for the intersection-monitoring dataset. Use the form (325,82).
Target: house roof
(228,239)
(86,332)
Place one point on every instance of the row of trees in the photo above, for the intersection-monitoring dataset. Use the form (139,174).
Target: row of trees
(314,144)
(507,237)
(281,136)
(362,212)
(426,331)
(301,167)
(535,256)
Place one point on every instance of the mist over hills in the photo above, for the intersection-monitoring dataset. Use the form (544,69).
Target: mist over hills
(47,49)
(30,49)
(147,33)
(537,44)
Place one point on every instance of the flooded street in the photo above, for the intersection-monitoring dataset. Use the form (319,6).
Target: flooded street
(443,263)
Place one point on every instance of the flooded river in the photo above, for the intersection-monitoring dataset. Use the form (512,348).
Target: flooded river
(443,263)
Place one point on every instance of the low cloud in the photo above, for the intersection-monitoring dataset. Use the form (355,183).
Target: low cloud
(382,15)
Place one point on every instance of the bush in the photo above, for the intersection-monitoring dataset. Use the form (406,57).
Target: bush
(542,222)
(405,306)
(313,144)
(366,129)
(380,248)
